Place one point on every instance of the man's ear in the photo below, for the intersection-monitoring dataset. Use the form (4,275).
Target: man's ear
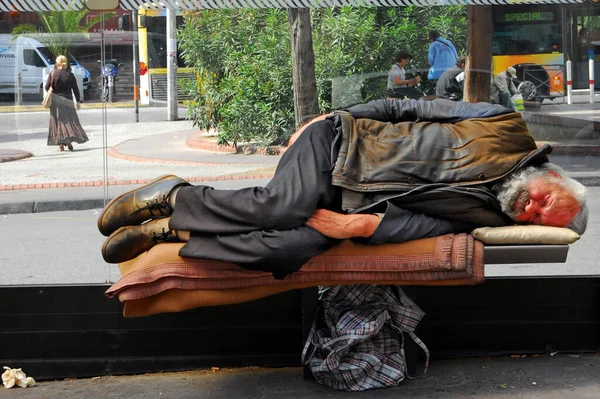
(555,174)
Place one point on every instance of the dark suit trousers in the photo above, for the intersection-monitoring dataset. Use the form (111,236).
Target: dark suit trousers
(262,228)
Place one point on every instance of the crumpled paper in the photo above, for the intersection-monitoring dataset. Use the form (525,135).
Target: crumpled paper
(12,377)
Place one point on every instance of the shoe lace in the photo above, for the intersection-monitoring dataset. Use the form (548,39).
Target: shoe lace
(160,204)
(164,236)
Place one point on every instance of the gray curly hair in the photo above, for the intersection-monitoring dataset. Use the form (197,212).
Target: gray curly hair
(508,191)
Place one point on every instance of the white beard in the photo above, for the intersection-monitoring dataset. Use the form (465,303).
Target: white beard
(516,188)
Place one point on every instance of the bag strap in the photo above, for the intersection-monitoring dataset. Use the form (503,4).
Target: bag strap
(51,77)
(422,345)
(406,301)
(445,44)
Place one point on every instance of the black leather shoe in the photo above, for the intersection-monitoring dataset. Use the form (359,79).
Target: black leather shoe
(139,205)
(128,242)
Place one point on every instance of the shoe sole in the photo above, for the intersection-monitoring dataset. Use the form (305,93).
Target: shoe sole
(121,196)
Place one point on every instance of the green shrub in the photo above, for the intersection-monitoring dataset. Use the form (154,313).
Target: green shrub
(243,61)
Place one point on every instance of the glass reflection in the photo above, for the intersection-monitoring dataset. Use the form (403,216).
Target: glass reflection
(50,198)
(49,195)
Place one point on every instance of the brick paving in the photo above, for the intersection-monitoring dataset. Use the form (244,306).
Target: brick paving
(138,152)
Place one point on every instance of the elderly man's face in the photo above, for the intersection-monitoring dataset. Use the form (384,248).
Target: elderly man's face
(545,203)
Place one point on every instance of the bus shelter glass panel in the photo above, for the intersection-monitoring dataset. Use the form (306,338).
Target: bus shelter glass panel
(51,199)
(537,40)
(53,159)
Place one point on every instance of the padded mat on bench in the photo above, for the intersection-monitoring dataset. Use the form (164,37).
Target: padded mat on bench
(162,281)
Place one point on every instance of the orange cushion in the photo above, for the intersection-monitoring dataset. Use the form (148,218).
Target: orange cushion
(162,281)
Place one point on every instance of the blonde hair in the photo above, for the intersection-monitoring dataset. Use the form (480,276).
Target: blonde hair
(61,62)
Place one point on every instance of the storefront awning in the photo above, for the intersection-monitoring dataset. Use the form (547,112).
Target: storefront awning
(190,5)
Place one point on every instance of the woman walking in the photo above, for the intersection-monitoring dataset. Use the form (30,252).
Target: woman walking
(64,128)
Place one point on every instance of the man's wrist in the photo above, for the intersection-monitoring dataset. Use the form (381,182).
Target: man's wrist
(368,225)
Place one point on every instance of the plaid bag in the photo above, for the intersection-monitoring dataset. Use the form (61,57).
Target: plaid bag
(360,346)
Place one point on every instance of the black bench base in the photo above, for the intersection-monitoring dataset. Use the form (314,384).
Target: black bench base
(74,331)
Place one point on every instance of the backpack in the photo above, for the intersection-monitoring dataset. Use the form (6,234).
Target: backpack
(359,345)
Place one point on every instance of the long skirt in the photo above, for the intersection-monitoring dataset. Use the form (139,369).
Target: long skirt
(64,123)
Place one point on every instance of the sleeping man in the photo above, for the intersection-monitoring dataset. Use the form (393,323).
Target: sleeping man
(383,172)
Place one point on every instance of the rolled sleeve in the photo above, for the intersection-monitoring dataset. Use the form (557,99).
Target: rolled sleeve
(399,225)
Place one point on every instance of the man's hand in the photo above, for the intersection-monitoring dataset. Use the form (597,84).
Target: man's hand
(341,226)
(414,81)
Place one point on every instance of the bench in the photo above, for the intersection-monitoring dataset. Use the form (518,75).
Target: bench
(160,281)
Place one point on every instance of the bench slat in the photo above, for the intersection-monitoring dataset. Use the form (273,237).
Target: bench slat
(507,254)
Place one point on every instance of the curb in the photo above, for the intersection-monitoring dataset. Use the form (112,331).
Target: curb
(51,206)
(240,176)
(38,108)
(559,120)
(201,143)
(115,153)
(574,149)
(194,141)
(95,203)
(98,203)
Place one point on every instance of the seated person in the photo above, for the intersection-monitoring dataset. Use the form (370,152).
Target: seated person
(583,45)
(503,88)
(387,171)
(450,83)
(398,85)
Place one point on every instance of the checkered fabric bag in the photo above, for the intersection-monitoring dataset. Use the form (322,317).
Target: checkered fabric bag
(358,345)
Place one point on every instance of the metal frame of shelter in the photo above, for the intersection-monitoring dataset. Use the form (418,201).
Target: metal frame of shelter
(191,5)
(63,331)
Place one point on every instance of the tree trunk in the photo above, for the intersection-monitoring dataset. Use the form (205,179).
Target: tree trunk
(478,69)
(306,103)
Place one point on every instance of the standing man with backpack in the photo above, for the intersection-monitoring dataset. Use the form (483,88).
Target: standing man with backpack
(441,56)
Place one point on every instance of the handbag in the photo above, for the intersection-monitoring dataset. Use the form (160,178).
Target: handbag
(47,101)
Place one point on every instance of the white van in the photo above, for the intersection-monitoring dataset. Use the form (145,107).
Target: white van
(29,57)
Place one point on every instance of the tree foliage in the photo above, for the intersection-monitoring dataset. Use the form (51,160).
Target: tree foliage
(243,61)
(242,58)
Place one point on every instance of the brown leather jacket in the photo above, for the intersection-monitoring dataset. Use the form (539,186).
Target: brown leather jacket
(428,152)
(63,83)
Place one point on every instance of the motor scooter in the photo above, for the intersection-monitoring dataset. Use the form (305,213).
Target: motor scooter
(108,75)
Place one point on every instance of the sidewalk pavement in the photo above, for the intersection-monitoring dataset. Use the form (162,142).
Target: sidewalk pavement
(563,376)
(139,152)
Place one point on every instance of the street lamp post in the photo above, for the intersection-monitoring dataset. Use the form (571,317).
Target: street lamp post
(171,64)
(136,67)
(19,96)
